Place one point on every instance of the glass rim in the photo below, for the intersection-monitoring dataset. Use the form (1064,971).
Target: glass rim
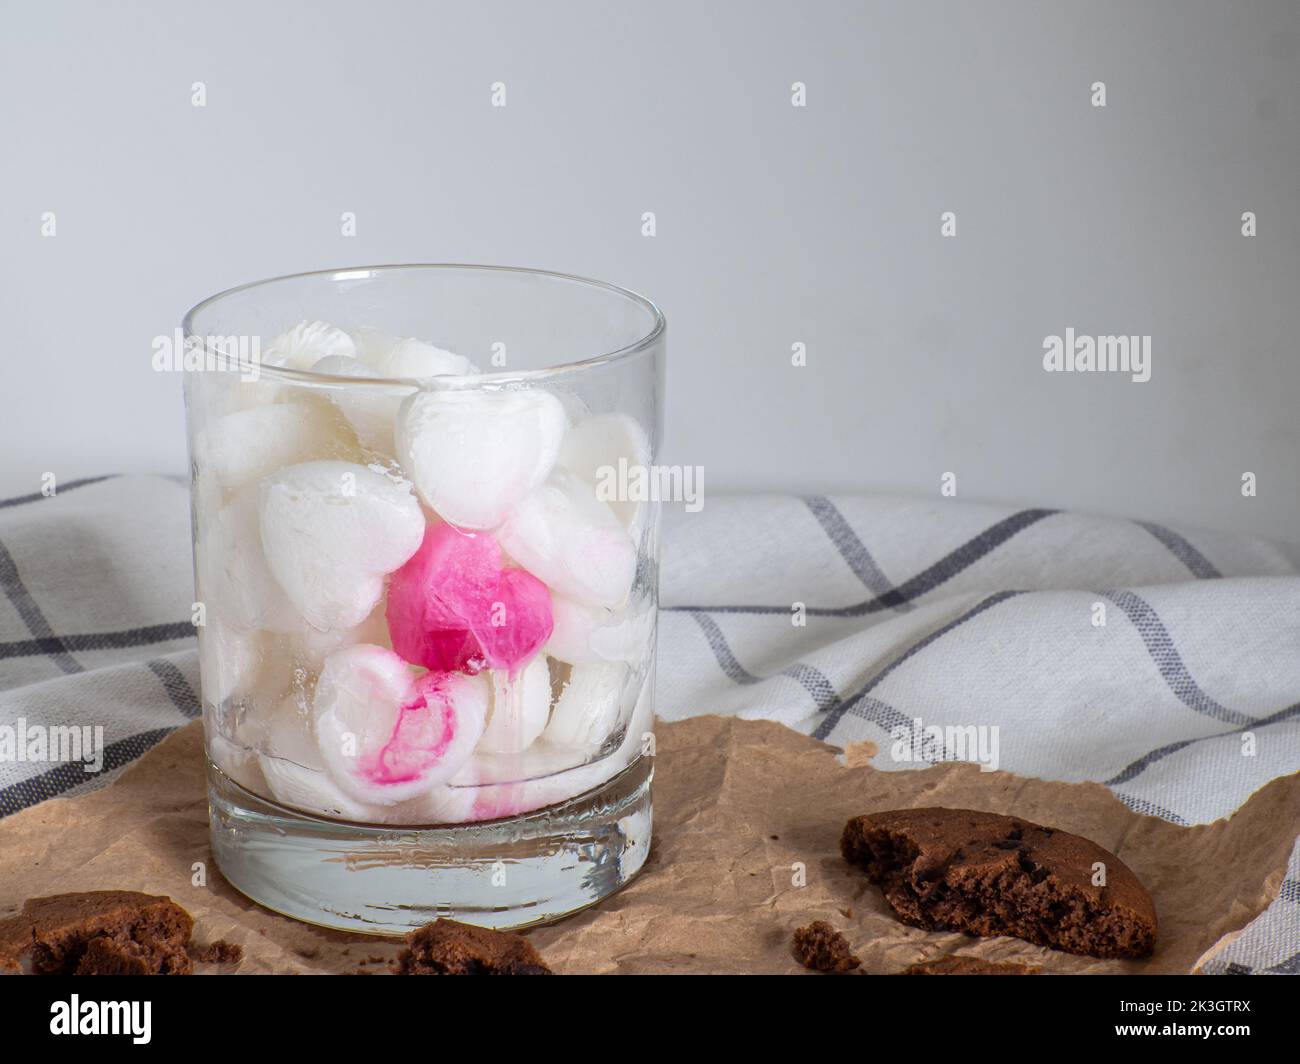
(307,376)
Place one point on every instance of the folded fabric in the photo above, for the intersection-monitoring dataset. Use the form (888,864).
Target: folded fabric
(1162,663)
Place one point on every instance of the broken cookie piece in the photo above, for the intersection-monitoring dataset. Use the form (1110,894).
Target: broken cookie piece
(446,947)
(955,964)
(219,952)
(100,932)
(821,948)
(988,874)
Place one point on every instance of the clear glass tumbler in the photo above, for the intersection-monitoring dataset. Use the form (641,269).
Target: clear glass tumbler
(426,548)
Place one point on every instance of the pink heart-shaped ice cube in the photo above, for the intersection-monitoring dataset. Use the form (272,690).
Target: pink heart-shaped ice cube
(432,599)
(453,607)
(519,622)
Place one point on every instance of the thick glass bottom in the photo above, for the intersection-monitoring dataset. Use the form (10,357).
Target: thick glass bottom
(386,880)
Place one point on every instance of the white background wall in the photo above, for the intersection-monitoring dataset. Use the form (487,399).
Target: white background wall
(775,224)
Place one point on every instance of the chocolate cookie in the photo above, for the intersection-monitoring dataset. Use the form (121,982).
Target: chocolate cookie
(446,947)
(820,947)
(987,874)
(99,932)
(954,964)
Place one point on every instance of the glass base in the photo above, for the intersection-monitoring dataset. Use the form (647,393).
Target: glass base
(386,880)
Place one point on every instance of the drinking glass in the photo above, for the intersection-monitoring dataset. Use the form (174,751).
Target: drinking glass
(426,578)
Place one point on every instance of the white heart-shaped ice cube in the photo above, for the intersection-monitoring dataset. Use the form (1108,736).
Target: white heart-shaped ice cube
(585,635)
(371,410)
(594,449)
(235,581)
(247,444)
(629,637)
(571,542)
(475,454)
(408,357)
(572,627)
(305,344)
(308,647)
(331,531)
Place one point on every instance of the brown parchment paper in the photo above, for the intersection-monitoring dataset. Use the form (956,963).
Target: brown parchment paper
(746,848)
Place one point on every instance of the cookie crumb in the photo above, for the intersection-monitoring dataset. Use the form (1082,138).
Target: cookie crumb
(447,947)
(220,952)
(823,949)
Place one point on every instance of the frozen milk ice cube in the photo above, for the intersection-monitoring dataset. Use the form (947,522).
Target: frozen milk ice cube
(550,780)
(309,647)
(586,712)
(294,774)
(331,531)
(574,624)
(415,359)
(372,344)
(236,582)
(571,542)
(294,770)
(386,736)
(628,638)
(438,805)
(584,635)
(306,344)
(240,763)
(408,357)
(575,406)
(230,660)
(248,444)
(345,366)
(297,348)
(371,411)
(475,454)
(593,449)
(520,708)
(225,393)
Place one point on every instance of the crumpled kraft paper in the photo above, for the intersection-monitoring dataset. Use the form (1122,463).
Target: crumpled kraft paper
(748,817)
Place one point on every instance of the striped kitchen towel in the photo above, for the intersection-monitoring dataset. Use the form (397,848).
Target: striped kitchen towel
(1165,664)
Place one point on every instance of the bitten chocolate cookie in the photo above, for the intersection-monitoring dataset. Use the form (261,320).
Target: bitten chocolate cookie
(987,874)
(446,947)
(99,932)
(820,947)
(955,964)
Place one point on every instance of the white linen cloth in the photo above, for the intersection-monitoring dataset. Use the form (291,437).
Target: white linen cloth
(1165,664)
